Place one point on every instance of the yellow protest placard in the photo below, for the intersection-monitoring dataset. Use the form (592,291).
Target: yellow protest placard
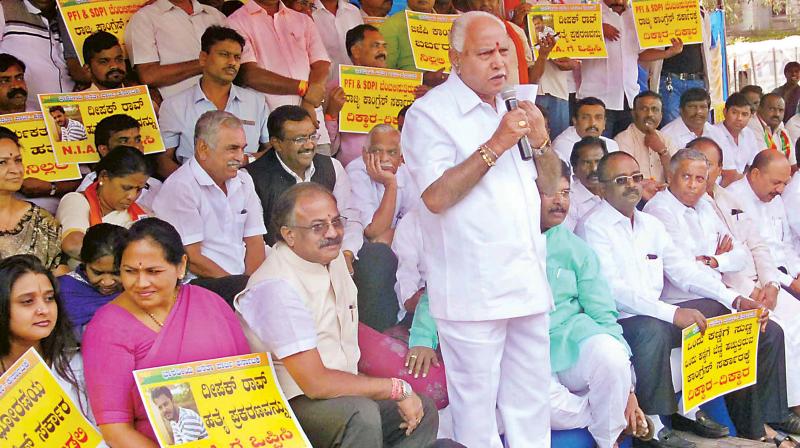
(36,412)
(84,17)
(37,152)
(374,96)
(658,21)
(223,402)
(428,36)
(579,30)
(71,118)
(374,21)
(720,361)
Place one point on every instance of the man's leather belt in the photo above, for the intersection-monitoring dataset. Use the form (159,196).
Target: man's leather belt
(684,76)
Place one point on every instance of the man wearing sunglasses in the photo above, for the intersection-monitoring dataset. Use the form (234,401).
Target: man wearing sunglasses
(636,254)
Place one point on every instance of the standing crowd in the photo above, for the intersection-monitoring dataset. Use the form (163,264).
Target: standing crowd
(414,272)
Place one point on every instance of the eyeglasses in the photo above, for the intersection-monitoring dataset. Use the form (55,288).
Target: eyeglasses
(320,228)
(563,194)
(624,180)
(303,139)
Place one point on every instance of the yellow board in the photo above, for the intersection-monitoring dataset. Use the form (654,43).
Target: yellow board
(374,21)
(37,152)
(658,21)
(720,361)
(237,398)
(36,412)
(579,30)
(428,36)
(84,17)
(374,96)
(89,108)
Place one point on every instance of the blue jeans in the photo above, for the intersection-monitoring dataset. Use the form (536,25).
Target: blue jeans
(671,100)
(557,111)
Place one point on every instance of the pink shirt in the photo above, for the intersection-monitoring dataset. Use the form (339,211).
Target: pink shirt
(286,44)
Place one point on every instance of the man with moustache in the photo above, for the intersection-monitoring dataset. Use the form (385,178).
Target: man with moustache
(585,192)
(589,120)
(220,53)
(693,120)
(366,47)
(759,278)
(484,252)
(588,354)
(741,144)
(13,90)
(375,8)
(13,99)
(104,61)
(294,159)
(649,146)
(769,128)
(637,253)
(300,305)
(214,206)
(759,193)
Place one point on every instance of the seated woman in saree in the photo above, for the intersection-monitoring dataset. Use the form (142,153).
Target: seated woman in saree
(95,281)
(31,315)
(25,228)
(156,321)
(121,176)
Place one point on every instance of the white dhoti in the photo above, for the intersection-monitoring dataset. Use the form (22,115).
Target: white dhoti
(602,374)
(787,315)
(500,364)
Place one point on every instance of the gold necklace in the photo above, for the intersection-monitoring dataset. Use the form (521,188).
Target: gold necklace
(150,315)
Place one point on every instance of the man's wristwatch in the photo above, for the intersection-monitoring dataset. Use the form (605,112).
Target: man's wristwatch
(405,390)
(52,189)
(774,284)
(543,148)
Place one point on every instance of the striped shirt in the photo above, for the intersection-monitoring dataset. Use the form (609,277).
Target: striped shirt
(188,428)
(74,132)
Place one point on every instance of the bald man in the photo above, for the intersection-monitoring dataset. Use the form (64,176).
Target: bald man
(760,195)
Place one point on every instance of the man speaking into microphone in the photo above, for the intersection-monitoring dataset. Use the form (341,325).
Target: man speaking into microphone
(484,250)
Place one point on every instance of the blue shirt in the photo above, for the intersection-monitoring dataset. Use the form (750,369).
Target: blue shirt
(179,114)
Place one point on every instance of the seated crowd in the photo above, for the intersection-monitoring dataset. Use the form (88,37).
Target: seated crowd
(263,228)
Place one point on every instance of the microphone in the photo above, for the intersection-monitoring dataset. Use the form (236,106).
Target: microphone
(509,95)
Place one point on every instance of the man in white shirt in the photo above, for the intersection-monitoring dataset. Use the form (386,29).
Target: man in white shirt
(693,120)
(636,254)
(588,120)
(334,18)
(649,146)
(740,145)
(214,206)
(220,50)
(759,279)
(411,272)
(163,41)
(614,79)
(484,251)
(760,195)
(585,192)
(768,127)
(382,189)
(300,306)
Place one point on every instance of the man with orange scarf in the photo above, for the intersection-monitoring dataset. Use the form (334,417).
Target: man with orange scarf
(768,126)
